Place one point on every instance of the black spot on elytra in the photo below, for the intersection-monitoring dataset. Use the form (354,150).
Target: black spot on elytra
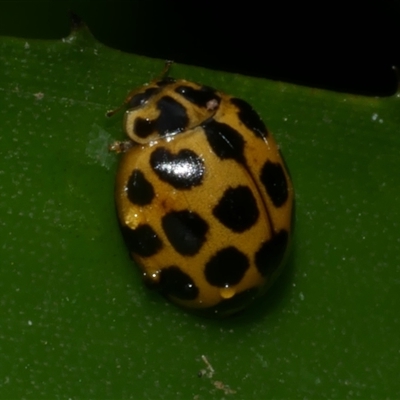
(237,209)
(140,98)
(271,253)
(225,141)
(173,117)
(182,170)
(200,97)
(185,230)
(142,241)
(174,282)
(250,118)
(274,180)
(226,268)
(140,191)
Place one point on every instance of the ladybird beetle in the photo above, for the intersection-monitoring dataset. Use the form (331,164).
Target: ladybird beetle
(203,196)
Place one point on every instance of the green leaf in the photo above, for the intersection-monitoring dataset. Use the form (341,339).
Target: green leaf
(77,321)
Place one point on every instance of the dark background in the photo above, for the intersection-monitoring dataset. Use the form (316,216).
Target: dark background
(333,45)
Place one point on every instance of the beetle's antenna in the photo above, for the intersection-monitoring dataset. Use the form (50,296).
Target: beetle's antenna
(162,76)
(164,72)
(110,113)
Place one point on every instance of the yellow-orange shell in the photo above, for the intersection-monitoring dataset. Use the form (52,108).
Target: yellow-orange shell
(204,201)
